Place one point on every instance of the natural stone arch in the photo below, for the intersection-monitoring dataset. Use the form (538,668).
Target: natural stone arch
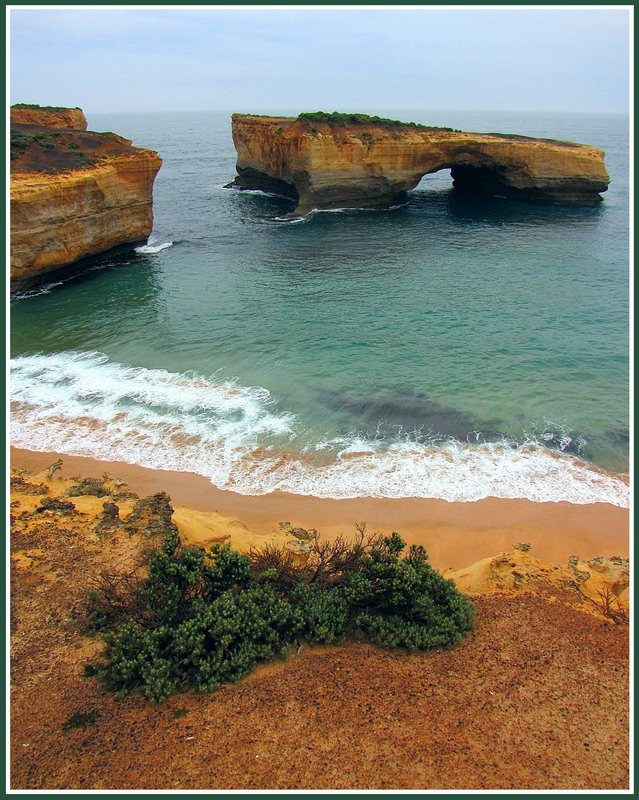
(373,165)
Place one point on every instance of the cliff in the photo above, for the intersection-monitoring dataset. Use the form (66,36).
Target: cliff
(48,116)
(74,194)
(354,161)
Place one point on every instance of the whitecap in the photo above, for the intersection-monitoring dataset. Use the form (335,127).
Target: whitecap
(152,248)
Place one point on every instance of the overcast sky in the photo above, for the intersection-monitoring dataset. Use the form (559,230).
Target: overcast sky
(277,60)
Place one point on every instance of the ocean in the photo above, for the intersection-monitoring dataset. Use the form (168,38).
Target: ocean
(452,347)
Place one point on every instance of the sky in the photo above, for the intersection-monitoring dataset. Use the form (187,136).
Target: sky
(275,60)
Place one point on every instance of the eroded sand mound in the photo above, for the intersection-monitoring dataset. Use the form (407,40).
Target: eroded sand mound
(600,585)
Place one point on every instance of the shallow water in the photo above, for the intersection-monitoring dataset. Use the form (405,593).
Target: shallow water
(453,347)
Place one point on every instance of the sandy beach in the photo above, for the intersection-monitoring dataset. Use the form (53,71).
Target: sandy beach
(454,534)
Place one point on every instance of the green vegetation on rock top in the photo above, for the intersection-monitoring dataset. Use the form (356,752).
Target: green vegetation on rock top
(20,140)
(36,107)
(47,150)
(337,119)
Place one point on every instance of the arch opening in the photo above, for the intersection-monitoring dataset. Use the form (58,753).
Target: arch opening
(439,180)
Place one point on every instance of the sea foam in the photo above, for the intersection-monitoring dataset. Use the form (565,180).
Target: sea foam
(151,248)
(83,404)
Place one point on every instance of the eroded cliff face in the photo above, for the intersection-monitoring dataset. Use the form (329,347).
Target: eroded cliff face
(598,586)
(58,219)
(75,194)
(371,165)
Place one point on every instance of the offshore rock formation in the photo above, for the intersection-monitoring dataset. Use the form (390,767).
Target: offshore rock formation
(74,193)
(324,161)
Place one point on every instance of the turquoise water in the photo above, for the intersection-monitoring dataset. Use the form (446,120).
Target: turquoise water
(453,347)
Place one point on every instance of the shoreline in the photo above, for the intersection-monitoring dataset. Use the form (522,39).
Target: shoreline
(454,534)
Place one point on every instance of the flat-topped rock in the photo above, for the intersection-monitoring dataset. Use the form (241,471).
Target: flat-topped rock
(74,193)
(353,161)
(48,116)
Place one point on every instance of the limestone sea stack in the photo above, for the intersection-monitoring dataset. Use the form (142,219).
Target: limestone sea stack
(74,193)
(355,161)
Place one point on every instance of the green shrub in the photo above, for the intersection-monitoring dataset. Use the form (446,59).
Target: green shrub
(138,657)
(229,570)
(323,613)
(202,619)
(20,141)
(226,639)
(97,615)
(173,582)
(221,643)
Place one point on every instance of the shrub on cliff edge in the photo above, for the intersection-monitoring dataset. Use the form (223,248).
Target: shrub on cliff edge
(201,619)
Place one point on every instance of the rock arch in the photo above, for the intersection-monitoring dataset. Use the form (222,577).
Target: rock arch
(373,165)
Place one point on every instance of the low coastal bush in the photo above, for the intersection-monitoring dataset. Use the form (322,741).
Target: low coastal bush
(20,141)
(201,619)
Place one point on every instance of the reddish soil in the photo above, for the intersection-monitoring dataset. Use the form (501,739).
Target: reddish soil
(35,149)
(535,698)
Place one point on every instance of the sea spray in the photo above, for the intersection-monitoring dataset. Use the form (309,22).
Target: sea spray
(152,247)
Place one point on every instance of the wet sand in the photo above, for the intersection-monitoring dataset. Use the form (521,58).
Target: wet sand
(454,534)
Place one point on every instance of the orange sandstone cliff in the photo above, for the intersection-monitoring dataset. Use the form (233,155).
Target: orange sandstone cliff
(337,161)
(74,193)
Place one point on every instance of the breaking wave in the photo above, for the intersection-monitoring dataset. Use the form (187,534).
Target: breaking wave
(152,247)
(83,404)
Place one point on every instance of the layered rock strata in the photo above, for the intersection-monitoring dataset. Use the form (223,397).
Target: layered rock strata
(74,194)
(373,164)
